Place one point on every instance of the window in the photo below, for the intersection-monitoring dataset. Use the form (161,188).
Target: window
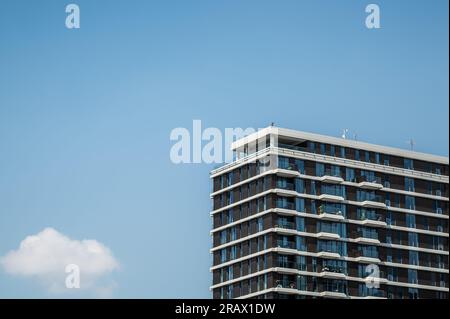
(300,223)
(410,220)
(322,149)
(386,160)
(349,174)
(412,276)
(367,156)
(300,243)
(223,255)
(299,185)
(409,184)
(377,158)
(357,155)
(300,204)
(320,169)
(413,240)
(300,166)
(223,236)
(410,202)
(413,257)
(342,152)
(312,147)
(332,150)
(408,163)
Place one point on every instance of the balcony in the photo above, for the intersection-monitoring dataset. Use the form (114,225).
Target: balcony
(368,259)
(287,264)
(364,239)
(285,224)
(333,294)
(287,170)
(331,176)
(286,244)
(374,220)
(330,213)
(333,272)
(286,284)
(373,183)
(285,185)
(327,235)
(328,254)
(373,202)
(331,198)
(285,205)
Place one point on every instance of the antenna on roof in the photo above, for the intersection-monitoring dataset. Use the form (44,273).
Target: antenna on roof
(411,143)
(344,133)
(272,124)
(355,136)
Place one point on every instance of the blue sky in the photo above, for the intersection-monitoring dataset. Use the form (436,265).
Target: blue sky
(85,115)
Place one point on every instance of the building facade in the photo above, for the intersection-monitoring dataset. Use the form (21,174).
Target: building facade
(301,215)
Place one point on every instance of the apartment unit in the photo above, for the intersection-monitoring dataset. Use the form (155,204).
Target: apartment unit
(301,215)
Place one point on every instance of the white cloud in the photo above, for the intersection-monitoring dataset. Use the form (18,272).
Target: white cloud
(44,257)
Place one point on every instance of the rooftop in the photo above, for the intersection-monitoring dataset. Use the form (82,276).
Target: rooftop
(303,136)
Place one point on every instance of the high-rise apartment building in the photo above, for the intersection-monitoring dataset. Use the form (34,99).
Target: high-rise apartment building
(300,215)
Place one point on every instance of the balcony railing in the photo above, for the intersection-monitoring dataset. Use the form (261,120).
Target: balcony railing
(330,172)
(285,205)
(329,209)
(337,270)
(369,215)
(284,185)
(285,224)
(287,264)
(367,234)
(285,284)
(286,244)
(369,179)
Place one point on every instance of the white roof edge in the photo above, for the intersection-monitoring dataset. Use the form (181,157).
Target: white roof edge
(341,142)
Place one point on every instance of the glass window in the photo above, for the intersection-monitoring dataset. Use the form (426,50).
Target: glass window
(411,220)
(413,240)
(367,156)
(357,155)
(412,276)
(377,158)
(408,163)
(300,166)
(320,169)
(414,257)
(409,184)
(300,204)
(410,202)
(332,150)
(322,149)
(350,174)
(312,147)
(342,151)
(386,159)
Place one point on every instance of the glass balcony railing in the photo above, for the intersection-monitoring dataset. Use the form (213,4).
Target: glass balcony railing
(288,166)
(286,244)
(369,215)
(334,269)
(330,209)
(285,224)
(285,284)
(367,234)
(285,185)
(285,205)
(369,179)
(377,198)
(287,264)
(330,172)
